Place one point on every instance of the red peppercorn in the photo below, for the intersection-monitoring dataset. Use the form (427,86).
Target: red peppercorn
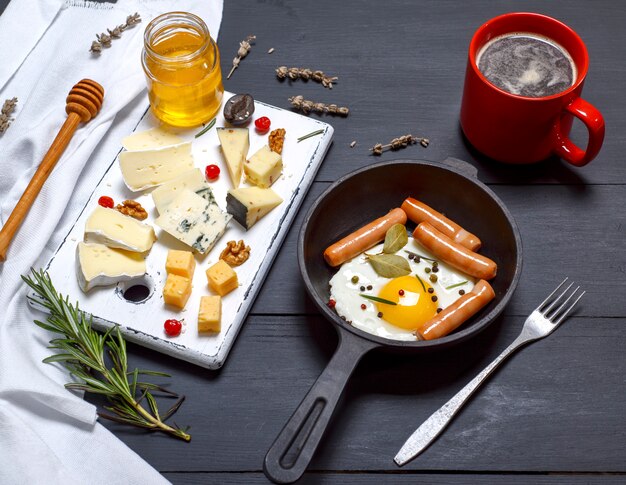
(401,292)
(262,124)
(331,303)
(172,327)
(106,201)
(212,172)
(363,306)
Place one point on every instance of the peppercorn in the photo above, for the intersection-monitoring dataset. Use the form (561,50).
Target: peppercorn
(362,288)
(380,315)
(411,256)
(435,268)
(431,290)
(401,292)
(433,278)
(427,270)
(433,298)
(363,306)
(439,310)
(369,287)
(417,259)
(435,263)
(461,292)
(355,279)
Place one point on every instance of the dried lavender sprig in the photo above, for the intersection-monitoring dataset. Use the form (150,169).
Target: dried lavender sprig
(305,74)
(104,39)
(307,106)
(398,143)
(244,47)
(5,114)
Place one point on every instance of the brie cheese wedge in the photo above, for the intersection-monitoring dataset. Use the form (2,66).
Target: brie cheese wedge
(116,230)
(99,265)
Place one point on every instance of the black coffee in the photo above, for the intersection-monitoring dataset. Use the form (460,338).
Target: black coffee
(526,65)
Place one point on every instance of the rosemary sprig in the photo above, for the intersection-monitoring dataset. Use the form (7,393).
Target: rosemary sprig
(82,351)
(415,255)
(206,128)
(456,286)
(313,133)
(377,299)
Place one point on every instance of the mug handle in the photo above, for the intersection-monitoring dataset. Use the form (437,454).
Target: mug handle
(593,120)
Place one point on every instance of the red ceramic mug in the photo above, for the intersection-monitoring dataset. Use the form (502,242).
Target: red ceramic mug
(517,129)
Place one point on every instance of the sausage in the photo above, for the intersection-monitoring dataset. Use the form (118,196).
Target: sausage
(364,238)
(419,212)
(459,312)
(454,254)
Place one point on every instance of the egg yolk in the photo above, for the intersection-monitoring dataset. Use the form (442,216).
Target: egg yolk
(414,303)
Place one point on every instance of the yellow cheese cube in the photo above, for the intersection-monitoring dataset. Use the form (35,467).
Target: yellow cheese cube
(210,314)
(181,263)
(263,168)
(177,290)
(222,278)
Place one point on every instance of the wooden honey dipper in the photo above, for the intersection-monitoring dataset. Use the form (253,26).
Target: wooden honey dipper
(83,103)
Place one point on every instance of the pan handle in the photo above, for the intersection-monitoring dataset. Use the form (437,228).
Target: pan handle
(462,166)
(291,452)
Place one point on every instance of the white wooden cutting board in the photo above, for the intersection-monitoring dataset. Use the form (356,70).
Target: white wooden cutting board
(142,322)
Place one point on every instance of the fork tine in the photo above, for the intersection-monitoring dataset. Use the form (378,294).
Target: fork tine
(550,295)
(557,299)
(552,314)
(566,312)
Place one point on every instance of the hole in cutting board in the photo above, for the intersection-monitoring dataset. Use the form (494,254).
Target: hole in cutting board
(137,290)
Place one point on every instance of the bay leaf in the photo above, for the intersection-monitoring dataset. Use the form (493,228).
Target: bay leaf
(389,265)
(395,239)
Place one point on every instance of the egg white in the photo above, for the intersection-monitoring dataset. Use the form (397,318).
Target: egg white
(348,302)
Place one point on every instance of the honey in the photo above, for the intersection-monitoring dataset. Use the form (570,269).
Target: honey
(182,66)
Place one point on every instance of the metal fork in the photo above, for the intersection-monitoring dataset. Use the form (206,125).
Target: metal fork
(541,323)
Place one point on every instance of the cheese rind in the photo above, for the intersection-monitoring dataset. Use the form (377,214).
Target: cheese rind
(235,143)
(264,167)
(181,263)
(115,230)
(99,265)
(194,221)
(149,168)
(193,180)
(249,204)
(177,290)
(210,314)
(222,278)
(149,139)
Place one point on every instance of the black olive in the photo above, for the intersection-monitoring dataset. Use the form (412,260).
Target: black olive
(239,109)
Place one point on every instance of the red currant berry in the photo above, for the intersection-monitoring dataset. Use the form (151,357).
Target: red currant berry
(106,201)
(212,172)
(173,327)
(332,303)
(262,124)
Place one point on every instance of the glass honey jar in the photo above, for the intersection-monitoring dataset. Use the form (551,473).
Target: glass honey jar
(182,66)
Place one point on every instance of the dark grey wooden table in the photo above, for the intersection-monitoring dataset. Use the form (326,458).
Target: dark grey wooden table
(555,413)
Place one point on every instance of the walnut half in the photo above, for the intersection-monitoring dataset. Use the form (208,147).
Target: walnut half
(277,139)
(236,253)
(133,209)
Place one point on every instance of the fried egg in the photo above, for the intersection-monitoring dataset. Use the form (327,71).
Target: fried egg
(417,299)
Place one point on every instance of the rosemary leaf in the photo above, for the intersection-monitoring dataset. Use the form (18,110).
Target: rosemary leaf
(421,282)
(377,299)
(82,351)
(206,128)
(313,133)
(457,285)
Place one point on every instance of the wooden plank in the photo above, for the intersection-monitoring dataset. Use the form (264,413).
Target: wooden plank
(401,66)
(397,478)
(546,410)
(570,231)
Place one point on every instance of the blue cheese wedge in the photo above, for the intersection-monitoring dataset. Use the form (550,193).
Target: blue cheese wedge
(263,168)
(249,204)
(149,139)
(194,221)
(149,168)
(235,143)
(193,180)
(115,230)
(99,265)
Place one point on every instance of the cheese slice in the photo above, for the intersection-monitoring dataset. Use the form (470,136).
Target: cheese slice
(235,143)
(194,221)
(193,180)
(99,265)
(249,204)
(152,138)
(114,229)
(149,168)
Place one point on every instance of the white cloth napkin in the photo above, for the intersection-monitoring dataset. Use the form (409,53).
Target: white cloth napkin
(48,434)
